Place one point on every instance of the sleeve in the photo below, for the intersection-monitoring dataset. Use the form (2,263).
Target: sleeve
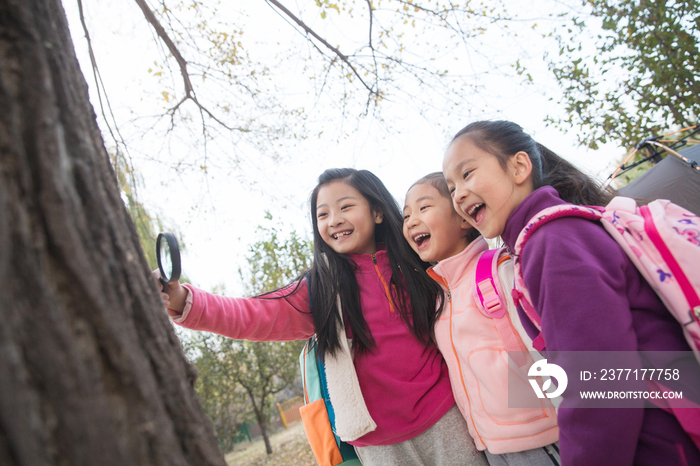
(576,276)
(279,316)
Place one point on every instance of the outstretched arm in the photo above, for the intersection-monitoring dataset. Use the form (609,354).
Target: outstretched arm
(282,315)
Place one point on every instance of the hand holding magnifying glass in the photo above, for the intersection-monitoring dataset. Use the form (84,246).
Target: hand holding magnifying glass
(168,273)
(168,254)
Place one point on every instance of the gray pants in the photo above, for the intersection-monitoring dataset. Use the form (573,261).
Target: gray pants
(545,456)
(446,443)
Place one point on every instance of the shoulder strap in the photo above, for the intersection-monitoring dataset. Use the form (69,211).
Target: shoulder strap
(520,294)
(490,300)
(487,285)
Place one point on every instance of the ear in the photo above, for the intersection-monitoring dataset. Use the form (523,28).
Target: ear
(465,225)
(378,215)
(521,167)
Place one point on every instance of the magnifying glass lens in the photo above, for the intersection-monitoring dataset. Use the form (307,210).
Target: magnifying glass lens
(166,261)
(168,254)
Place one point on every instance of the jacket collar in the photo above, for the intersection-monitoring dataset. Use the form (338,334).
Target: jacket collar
(367,261)
(451,271)
(538,200)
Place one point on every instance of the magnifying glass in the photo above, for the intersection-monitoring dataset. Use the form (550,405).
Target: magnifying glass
(168,254)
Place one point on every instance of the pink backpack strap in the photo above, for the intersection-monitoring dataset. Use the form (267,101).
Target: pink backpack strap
(520,294)
(489,298)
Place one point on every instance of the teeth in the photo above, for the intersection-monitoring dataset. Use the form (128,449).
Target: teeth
(473,210)
(421,237)
(341,234)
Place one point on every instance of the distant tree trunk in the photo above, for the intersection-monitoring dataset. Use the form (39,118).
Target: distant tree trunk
(91,372)
(262,421)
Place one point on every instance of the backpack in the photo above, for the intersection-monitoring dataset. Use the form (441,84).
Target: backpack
(662,239)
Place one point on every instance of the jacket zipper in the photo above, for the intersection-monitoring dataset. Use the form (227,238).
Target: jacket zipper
(386,287)
(459,364)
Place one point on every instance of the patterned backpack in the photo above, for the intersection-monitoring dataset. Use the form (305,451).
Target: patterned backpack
(663,241)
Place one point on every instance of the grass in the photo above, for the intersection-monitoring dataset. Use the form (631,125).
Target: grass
(289,447)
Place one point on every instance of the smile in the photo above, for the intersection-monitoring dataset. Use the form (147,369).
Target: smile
(341,234)
(421,238)
(474,210)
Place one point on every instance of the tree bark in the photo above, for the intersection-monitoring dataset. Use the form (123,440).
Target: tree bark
(90,369)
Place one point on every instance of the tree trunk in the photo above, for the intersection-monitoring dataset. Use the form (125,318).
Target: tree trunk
(90,369)
(260,415)
(262,422)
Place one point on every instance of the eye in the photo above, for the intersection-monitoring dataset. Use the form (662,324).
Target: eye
(424,207)
(406,217)
(321,215)
(466,174)
(452,191)
(346,206)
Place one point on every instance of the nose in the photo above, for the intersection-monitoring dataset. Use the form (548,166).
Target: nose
(411,222)
(335,219)
(460,194)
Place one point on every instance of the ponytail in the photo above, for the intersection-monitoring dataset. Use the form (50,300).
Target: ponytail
(572,184)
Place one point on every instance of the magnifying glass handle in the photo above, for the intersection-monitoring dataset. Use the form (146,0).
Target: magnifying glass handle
(164,284)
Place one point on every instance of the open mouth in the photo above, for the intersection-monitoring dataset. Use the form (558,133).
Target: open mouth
(473,212)
(421,239)
(341,234)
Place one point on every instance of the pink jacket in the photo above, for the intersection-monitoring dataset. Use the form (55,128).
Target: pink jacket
(405,384)
(478,364)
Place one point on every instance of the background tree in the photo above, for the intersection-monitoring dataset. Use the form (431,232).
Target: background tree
(257,370)
(224,400)
(91,370)
(640,79)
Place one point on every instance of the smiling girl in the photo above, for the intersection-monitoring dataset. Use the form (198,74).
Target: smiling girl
(584,288)
(395,404)
(472,340)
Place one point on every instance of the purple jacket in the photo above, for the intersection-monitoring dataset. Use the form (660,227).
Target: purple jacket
(591,297)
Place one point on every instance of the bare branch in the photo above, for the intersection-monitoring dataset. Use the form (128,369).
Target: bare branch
(151,18)
(311,32)
(371,46)
(100,87)
(182,63)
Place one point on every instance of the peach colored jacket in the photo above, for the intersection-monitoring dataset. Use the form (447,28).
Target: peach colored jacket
(478,362)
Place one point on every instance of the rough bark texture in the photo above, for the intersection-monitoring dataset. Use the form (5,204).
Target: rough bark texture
(90,369)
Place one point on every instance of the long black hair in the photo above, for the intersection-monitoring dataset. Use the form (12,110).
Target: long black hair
(332,274)
(505,138)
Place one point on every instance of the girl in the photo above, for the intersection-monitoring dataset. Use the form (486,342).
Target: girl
(367,285)
(469,340)
(590,297)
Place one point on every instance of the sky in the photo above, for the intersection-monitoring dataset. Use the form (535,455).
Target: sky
(217,214)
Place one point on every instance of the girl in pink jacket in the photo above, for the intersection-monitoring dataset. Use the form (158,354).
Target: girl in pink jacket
(370,304)
(471,340)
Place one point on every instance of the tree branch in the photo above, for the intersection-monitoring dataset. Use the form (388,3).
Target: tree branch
(151,18)
(312,33)
(182,63)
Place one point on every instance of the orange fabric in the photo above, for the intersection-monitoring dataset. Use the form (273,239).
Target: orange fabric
(319,433)
(386,287)
(502,259)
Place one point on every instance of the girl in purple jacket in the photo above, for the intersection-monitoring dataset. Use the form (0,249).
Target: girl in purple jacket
(390,391)
(589,295)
